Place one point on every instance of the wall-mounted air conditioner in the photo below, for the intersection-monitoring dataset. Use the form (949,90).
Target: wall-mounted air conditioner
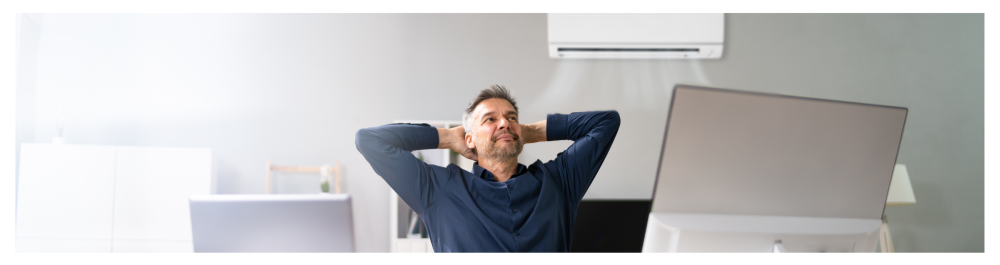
(636,36)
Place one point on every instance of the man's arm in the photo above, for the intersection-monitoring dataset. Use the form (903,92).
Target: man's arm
(592,134)
(388,149)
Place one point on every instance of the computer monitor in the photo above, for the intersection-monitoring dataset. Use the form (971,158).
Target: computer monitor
(818,167)
(272,223)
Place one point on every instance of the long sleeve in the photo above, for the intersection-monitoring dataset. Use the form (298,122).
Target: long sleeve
(593,133)
(388,149)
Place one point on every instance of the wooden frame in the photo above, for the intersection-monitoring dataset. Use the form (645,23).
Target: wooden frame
(333,169)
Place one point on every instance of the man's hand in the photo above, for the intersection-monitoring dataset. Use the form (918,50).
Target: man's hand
(534,132)
(454,139)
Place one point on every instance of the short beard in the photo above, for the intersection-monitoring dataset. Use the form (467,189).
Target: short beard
(494,153)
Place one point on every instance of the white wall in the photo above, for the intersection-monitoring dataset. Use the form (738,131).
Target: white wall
(294,88)
(930,63)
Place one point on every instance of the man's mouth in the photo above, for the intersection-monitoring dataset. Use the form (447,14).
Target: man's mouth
(505,137)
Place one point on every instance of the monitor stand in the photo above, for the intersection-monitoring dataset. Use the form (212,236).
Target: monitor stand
(687,232)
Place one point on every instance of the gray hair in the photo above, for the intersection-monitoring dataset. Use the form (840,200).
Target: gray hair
(494,91)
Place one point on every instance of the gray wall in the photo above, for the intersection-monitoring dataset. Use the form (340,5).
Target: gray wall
(294,88)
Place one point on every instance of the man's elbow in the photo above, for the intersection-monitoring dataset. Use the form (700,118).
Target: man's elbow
(614,119)
(363,139)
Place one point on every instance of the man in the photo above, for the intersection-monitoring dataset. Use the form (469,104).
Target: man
(501,205)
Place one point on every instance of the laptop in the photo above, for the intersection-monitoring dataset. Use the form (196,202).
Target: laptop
(272,223)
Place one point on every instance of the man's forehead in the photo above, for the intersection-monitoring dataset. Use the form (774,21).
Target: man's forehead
(494,105)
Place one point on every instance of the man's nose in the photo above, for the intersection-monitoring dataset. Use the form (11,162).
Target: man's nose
(503,124)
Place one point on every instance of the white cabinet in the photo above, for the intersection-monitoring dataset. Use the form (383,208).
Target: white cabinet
(90,198)
(65,198)
(400,222)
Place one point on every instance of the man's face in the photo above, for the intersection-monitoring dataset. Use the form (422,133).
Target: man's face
(496,129)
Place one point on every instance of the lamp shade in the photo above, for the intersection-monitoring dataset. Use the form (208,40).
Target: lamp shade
(900,190)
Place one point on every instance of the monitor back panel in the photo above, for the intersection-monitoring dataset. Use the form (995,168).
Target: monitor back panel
(733,152)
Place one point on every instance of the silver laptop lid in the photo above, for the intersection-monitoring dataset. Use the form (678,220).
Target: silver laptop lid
(734,152)
(272,223)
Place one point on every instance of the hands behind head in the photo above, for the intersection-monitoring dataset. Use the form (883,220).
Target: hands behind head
(467,152)
(457,143)
(454,138)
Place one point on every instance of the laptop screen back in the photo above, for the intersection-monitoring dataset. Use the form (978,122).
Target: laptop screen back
(272,223)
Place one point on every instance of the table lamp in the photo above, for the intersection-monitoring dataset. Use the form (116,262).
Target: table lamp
(900,193)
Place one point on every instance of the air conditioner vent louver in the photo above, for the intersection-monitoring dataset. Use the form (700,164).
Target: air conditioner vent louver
(628,49)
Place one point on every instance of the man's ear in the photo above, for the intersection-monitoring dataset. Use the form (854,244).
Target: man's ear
(469,142)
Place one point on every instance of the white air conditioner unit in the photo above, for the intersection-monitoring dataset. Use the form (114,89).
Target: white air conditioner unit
(636,36)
